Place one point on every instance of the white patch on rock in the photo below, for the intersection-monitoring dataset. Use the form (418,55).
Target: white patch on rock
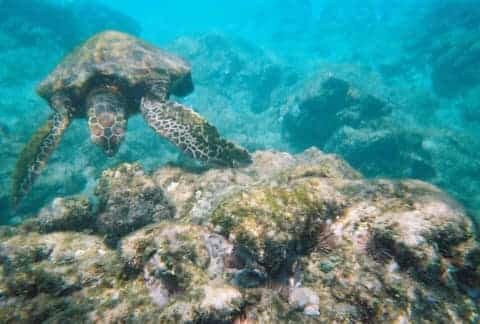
(221,298)
(171,187)
(305,299)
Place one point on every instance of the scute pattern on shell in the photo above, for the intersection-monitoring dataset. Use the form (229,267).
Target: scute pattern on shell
(115,56)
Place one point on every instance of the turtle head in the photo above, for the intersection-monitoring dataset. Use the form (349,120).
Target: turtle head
(182,86)
(106,110)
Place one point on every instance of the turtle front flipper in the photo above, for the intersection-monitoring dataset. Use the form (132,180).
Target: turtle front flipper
(191,133)
(35,154)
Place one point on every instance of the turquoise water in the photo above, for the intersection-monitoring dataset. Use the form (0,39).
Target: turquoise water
(390,86)
(254,67)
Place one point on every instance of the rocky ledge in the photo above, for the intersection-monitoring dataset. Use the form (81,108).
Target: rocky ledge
(300,238)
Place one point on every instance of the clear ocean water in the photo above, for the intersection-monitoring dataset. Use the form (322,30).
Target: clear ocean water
(392,87)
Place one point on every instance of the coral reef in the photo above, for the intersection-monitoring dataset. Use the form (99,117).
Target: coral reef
(300,238)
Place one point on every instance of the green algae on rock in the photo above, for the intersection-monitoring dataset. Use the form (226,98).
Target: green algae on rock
(128,200)
(63,214)
(55,271)
(275,225)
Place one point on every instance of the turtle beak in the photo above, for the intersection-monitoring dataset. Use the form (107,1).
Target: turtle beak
(111,152)
(109,140)
(109,149)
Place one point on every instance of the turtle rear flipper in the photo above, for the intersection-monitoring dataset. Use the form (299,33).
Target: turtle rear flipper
(191,133)
(35,154)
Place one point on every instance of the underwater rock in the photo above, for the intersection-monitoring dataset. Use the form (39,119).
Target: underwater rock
(275,225)
(406,244)
(305,299)
(63,214)
(182,266)
(196,195)
(385,150)
(329,112)
(323,105)
(336,234)
(67,276)
(301,238)
(53,277)
(192,245)
(55,264)
(128,200)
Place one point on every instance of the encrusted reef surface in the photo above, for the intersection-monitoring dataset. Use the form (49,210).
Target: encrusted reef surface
(288,239)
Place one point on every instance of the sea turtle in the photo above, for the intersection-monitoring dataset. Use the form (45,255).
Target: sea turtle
(110,77)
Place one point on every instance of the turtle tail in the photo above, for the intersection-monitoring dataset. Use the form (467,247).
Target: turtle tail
(35,154)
